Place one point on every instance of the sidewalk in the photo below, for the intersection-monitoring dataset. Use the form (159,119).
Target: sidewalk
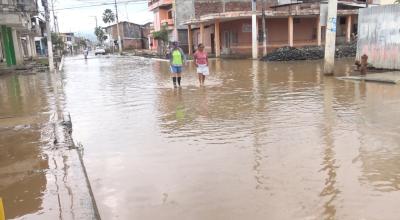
(385,77)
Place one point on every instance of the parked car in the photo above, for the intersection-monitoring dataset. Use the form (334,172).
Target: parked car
(99,50)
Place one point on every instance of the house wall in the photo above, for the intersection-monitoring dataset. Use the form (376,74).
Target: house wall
(379,36)
(132,30)
(203,7)
(132,44)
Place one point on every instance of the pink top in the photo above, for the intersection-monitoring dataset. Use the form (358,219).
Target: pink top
(201,57)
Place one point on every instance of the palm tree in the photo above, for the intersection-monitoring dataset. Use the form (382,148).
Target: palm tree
(108,16)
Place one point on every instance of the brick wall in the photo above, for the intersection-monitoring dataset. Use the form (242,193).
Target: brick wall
(203,7)
(207,7)
(132,44)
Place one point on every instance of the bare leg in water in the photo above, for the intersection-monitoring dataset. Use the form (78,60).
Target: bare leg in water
(200,78)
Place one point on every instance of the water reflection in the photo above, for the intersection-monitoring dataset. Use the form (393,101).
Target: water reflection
(22,162)
(260,140)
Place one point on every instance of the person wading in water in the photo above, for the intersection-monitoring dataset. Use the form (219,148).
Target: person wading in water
(176,59)
(201,62)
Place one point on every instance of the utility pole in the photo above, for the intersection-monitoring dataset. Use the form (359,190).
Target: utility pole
(119,36)
(330,38)
(254,29)
(264,29)
(54,17)
(49,43)
(95,18)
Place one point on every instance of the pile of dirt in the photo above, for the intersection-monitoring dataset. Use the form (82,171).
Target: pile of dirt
(309,53)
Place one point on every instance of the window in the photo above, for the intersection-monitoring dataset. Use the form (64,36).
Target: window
(170,14)
(68,38)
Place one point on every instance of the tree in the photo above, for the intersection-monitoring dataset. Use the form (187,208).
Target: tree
(162,37)
(108,16)
(58,43)
(99,32)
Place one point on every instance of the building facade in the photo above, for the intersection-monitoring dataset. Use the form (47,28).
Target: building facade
(172,14)
(133,36)
(18,30)
(225,26)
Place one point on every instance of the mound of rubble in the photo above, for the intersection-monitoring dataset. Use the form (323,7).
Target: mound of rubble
(309,53)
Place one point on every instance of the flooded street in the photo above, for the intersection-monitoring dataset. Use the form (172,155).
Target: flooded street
(260,141)
(40,177)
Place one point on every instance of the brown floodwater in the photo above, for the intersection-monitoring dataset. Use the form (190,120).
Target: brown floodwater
(38,178)
(260,141)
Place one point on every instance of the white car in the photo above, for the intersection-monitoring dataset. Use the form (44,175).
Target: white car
(99,50)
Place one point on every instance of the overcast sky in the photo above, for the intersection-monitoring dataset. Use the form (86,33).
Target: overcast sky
(81,20)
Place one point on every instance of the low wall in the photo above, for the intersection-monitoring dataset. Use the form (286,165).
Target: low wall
(379,36)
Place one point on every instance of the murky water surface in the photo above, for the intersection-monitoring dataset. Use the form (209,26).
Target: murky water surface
(39,178)
(260,141)
(25,182)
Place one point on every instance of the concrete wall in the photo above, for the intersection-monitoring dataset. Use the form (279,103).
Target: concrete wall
(184,11)
(379,36)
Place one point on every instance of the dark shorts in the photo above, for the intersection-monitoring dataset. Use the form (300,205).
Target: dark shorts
(176,69)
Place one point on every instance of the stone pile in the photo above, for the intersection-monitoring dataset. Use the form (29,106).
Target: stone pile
(309,53)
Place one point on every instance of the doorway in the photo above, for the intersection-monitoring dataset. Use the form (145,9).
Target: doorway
(212,43)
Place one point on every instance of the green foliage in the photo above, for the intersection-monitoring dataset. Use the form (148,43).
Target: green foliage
(58,43)
(99,32)
(108,16)
(161,34)
(397,2)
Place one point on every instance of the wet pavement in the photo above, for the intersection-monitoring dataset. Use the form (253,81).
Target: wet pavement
(259,141)
(40,178)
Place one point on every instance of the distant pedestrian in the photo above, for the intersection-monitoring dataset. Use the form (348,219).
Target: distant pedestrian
(201,62)
(177,59)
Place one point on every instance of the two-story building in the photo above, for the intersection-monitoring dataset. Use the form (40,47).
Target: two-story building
(18,30)
(225,26)
(133,36)
(172,14)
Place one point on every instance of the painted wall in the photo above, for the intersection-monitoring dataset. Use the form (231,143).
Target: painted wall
(379,36)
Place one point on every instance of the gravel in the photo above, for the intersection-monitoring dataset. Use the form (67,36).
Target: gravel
(309,53)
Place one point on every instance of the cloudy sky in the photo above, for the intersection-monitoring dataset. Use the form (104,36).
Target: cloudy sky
(79,15)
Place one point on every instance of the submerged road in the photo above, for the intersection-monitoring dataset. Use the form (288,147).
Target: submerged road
(259,141)
(275,141)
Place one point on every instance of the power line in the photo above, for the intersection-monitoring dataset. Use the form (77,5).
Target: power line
(81,6)
(100,4)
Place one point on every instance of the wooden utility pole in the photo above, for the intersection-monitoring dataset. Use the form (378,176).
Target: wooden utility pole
(119,36)
(49,43)
(330,38)
(264,29)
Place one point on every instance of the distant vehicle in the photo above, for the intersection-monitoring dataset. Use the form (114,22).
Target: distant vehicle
(99,50)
